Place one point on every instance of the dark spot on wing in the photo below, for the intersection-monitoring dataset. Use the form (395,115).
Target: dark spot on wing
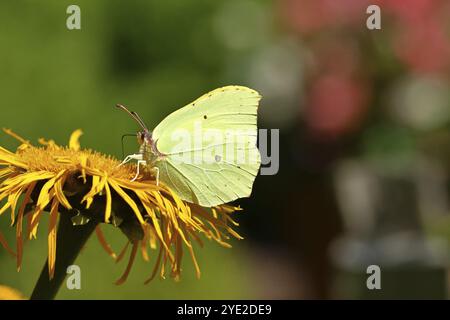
(218,158)
(205,117)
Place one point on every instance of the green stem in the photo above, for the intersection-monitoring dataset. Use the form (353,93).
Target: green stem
(70,240)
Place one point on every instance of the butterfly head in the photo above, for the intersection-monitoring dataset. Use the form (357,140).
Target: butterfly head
(144,136)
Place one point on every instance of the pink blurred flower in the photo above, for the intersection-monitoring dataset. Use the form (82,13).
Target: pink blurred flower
(424,47)
(336,105)
(418,29)
(336,54)
(411,11)
(309,16)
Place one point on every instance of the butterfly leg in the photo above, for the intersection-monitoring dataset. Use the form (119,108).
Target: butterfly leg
(136,156)
(138,167)
(157,175)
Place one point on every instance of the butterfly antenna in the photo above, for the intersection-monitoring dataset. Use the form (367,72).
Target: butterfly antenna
(138,119)
(134,115)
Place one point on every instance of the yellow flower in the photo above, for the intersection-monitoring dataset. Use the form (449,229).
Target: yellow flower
(7,293)
(89,186)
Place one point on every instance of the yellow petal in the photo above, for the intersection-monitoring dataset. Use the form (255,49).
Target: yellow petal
(52,238)
(48,143)
(15,136)
(194,260)
(83,163)
(59,192)
(6,159)
(7,152)
(152,238)
(97,186)
(124,277)
(45,196)
(156,267)
(5,245)
(4,208)
(156,226)
(12,199)
(122,252)
(127,199)
(135,185)
(74,143)
(25,179)
(143,243)
(19,241)
(5,172)
(173,217)
(108,203)
(105,245)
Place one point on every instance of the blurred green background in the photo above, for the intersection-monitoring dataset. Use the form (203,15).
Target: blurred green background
(364,133)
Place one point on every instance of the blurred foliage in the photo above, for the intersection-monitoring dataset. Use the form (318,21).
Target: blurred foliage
(152,56)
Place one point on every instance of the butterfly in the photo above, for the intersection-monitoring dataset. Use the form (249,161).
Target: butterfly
(206,151)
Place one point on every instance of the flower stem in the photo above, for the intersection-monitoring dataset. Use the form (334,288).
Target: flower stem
(70,241)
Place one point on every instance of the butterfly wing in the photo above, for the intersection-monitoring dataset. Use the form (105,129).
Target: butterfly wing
(203,168)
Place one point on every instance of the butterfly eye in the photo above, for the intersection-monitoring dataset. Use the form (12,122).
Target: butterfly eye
(140,137)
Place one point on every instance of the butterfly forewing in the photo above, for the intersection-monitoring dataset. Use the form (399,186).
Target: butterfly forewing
(210,149)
